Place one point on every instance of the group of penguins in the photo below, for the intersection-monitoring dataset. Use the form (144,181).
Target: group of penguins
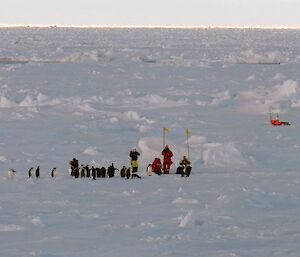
(81,171)
(37,172)
(84,171)
(32,172)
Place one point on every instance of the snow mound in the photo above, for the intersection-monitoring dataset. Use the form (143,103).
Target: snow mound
(86,56)
(250,57)
(182,201)
(197,141)
(267,99)
(61,56)
(5,102)
(219,99)
(152,101)
(261,100)
(37,221)
(150,148)
(278,77)
(131,115)
(284,91)
(92,151)
(186,220)
(3,158)
(10,227)
(134,116)
(221,155)
(38,100)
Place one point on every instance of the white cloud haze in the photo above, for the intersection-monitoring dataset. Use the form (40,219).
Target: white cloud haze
(167,12)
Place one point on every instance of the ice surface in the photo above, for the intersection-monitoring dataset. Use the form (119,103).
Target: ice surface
(96,93)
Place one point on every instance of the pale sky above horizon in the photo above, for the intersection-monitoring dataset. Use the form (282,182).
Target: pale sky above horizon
(154,12)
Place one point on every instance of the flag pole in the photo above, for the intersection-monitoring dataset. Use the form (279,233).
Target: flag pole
(165,130)
(164,138)
(187,142)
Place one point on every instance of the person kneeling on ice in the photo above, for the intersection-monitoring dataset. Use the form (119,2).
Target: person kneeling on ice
(184,169)
(167,162)
(185,161)
(156,166)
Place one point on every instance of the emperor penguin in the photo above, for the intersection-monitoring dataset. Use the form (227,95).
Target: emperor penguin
(149,169)
(37,171)
(53,173)
(11,173)
(29,172)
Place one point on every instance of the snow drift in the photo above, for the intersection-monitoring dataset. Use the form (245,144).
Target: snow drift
(223,155)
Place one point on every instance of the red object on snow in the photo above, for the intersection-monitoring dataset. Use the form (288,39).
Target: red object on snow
(277,122)
(156,165)
(167,161)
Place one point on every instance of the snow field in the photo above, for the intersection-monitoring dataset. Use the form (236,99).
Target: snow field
(169,215)
(94,94)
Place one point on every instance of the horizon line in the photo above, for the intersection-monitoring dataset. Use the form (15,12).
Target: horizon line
(150,26)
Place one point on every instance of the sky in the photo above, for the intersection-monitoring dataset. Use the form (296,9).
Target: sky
(154,12)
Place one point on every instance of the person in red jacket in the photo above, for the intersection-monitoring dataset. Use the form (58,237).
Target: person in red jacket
(167,162)
(156,166)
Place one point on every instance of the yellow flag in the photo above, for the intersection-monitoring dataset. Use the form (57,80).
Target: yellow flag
(166,130)
(188,132)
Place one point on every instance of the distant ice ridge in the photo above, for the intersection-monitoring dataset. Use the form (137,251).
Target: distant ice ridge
(32,99)
(152,101)
(61,56)
(10,227)
(94,53)
(167,26)
(6,103)
(261,100)
(251,57)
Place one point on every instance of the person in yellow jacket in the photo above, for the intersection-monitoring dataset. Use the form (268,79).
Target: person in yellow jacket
(134,157)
